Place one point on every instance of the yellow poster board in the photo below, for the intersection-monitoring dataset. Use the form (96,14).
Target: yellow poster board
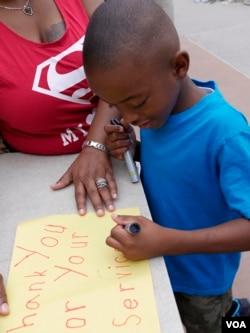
(64,278)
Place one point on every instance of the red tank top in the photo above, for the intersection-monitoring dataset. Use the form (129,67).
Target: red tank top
(45,101)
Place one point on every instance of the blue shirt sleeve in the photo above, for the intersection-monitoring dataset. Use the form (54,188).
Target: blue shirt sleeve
(234,166)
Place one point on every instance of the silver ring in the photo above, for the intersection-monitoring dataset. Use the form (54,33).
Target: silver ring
(101,182)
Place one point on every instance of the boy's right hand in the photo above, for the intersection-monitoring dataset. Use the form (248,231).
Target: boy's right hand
(120,138)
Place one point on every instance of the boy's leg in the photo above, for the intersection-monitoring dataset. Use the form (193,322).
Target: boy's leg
(202,314)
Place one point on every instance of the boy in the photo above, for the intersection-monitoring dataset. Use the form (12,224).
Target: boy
(195,158)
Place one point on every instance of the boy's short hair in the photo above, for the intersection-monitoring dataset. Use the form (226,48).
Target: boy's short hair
(128,30)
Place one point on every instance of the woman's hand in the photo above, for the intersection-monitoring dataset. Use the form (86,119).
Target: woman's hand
(83,172)
(4,308)
(92,164)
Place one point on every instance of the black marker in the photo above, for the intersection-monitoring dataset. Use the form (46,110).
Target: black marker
(132,228)
(132,169)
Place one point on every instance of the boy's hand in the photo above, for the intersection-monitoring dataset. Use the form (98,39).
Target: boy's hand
(120,138)
(143,245)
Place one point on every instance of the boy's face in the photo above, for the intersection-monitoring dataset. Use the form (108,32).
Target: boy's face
(145,96)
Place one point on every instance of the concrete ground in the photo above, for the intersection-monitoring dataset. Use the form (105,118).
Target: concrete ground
(217,37)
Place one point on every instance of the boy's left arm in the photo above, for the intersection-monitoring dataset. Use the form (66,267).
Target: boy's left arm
(231,236)
(155,240)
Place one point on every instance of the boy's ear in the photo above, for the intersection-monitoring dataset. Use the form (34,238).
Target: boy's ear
(181,64)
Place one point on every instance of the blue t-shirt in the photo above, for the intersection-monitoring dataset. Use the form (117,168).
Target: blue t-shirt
(196,174)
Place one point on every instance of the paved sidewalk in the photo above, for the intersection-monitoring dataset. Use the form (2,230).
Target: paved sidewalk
(223,30)
(217,37)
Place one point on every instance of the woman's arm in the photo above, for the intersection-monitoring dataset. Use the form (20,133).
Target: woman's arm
(3,148)
(91,5)
(92,164)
